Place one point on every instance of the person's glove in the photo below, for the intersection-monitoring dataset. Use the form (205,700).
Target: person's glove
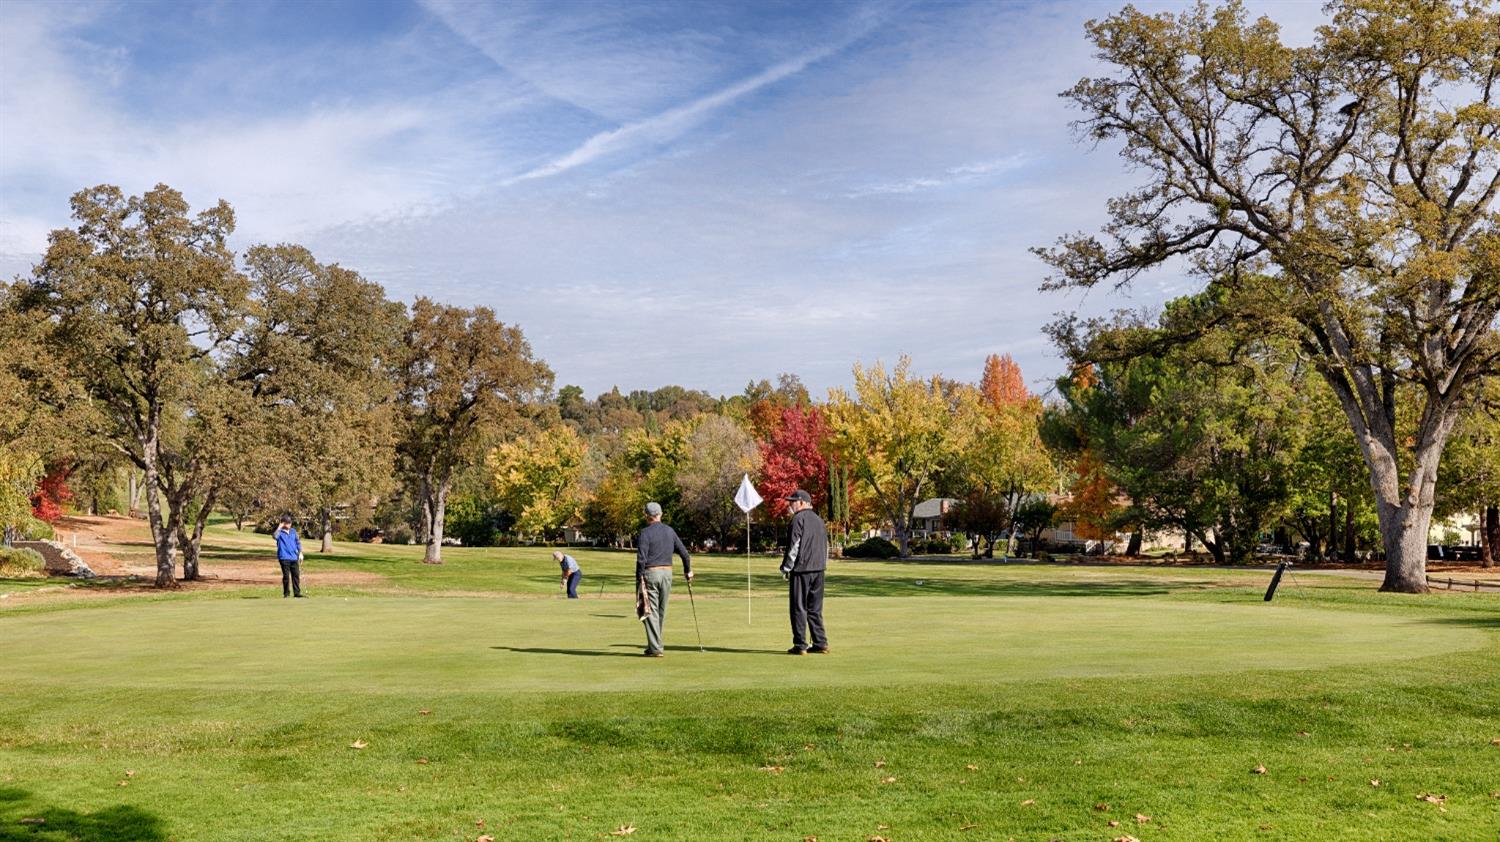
(786,572)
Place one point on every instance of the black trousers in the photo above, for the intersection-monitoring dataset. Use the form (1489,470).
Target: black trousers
(806,597)
(291,576)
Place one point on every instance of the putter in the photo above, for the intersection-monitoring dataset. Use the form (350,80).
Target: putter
(601,588)
(694,603)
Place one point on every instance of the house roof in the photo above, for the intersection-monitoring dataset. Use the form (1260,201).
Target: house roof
(934,507)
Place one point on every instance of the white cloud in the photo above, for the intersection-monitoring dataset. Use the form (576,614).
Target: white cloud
(748,206)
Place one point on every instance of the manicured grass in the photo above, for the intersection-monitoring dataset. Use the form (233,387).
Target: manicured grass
(1009,700)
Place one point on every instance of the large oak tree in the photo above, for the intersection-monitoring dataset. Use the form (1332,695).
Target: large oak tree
(467,377)
(1359,172)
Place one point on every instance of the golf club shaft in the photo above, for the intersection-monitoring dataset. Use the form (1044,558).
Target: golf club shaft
(694,603)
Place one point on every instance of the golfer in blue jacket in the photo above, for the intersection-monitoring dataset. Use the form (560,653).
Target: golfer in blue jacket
(289,555)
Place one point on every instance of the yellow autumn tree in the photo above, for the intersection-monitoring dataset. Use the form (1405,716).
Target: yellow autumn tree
(538,478)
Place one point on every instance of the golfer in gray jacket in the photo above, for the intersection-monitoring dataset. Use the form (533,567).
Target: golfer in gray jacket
(803,564)
(653,572)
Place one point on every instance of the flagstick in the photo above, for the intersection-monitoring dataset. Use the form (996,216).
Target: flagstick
(747,568)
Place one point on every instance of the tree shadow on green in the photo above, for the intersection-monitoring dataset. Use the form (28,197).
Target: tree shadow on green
(22,819)
(1480,621)
(906,586)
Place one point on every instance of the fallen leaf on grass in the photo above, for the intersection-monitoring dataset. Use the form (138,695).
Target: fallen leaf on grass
(422,761)
(1101,807)
(623,830)
(479,823)
(1077,762)
(1432,799)
(1126,838)
(1303,734)
(1495,795)
(968,827)
(1259,770)
(877,839)
(424,712)
(1114,823)
(809,747)
(123,783)
(1495,742)
(775,770)
(882,827)
(1374,782)
(358,744)
(1141,819)
(809,839)
(971,767)
(33,821)
(1028,802)
(880,764)
(129,773)
(485,838)
(889,779)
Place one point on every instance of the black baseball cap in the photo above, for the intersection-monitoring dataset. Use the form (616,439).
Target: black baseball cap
(799,494)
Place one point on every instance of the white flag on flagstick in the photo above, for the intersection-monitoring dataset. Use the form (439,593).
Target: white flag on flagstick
(747,497)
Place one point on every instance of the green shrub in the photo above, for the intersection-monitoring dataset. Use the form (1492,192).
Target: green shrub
(875,547)
(21,563)
(36,529)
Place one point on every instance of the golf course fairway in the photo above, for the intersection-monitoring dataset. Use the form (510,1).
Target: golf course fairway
(987,702)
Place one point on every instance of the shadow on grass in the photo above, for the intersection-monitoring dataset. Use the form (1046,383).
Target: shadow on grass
(582,653)
(605,653)
(728,649)
(21,819)
(904,586)
(1482,621)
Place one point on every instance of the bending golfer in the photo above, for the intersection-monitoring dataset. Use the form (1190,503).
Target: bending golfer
(803,564)
(571,572)
(289,556)
(653,570)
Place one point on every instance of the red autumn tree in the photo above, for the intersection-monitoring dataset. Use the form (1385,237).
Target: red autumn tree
(793,457)
(1001,383)
(51,493)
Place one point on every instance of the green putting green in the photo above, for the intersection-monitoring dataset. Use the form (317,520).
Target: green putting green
(357,644)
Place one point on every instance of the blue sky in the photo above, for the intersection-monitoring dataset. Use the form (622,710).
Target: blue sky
(690,193)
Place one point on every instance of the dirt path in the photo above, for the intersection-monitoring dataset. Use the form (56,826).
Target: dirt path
(121,546)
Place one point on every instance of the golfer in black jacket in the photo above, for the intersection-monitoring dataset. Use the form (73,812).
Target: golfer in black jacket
(803,565)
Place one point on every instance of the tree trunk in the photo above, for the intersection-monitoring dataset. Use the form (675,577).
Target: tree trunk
(163,535)
(1349,532)
(1215,547)
(437,507)
(1133,549)
(189,560)
(902,539)
(1333,524)
(192,545)
(1490,535)
(1404,507)
(327,546)
(1314,537)
(1404,534)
